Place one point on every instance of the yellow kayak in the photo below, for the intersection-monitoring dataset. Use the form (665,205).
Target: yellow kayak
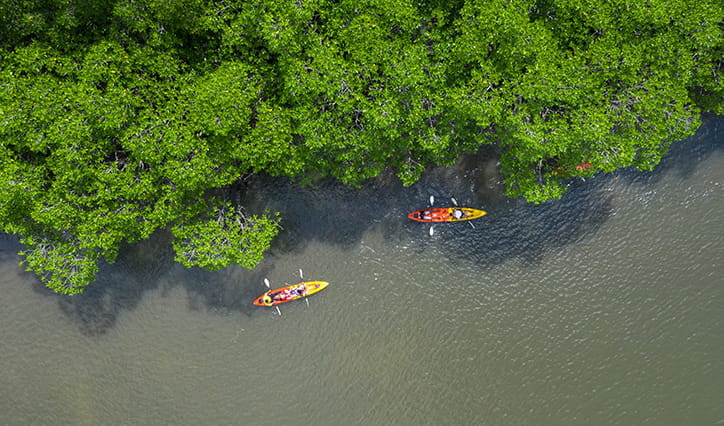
(290,292)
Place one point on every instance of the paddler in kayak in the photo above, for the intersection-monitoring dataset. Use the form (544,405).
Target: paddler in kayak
(267,299)
(288,293)
(458,214)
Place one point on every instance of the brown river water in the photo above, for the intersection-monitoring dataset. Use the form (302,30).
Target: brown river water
(605,307)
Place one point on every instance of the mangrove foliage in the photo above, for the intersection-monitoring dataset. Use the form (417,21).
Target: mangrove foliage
(122,117)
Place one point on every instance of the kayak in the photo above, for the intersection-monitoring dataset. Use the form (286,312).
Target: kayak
(446,214)
(289,293)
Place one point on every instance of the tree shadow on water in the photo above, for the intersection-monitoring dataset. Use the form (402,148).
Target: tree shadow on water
(120,286)
(325,210)
(149,266)
(96,309)
(683,157)
(230,289)
(334,214)
(514,229)
(528,231)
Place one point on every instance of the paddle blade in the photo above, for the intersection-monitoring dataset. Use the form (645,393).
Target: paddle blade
(278,311)
(454,201)
(432,200)
(266,281)
(301,274)
(432,231)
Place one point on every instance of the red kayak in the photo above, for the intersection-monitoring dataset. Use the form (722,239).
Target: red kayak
(446,214)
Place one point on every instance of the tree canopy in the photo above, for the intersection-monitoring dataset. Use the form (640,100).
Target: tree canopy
(122,117)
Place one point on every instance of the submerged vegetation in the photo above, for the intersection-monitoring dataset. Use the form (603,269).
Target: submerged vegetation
(119,118)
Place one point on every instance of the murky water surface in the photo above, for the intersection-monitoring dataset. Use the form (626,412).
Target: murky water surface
(605,307)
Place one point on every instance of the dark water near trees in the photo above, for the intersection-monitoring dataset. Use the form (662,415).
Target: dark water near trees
(605,307)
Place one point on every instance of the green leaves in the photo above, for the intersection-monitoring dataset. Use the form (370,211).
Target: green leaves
(106,145)
(62,264)
(227,237)
(121,118)
(582,83)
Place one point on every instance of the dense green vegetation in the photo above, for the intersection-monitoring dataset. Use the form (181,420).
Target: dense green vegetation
(118,118)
